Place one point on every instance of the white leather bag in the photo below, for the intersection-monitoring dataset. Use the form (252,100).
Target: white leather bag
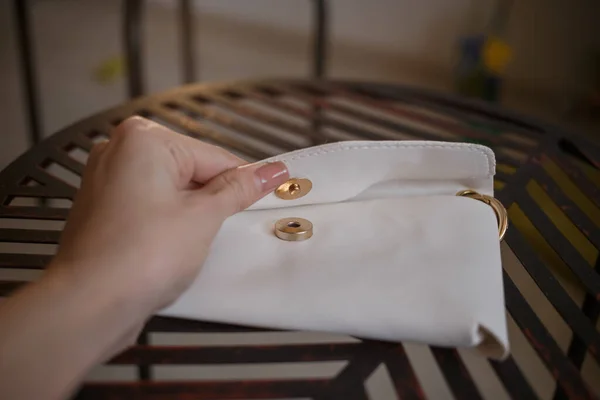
(395,254)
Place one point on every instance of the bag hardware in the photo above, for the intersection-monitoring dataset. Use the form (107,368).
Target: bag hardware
(293,229)
(294,189)
(499,210)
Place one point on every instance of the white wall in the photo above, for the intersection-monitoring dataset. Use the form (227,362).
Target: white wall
(416,41)
(406,41)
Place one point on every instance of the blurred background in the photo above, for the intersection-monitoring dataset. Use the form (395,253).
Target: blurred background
(537,57)
(542,56)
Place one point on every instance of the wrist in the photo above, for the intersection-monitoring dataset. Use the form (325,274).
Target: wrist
(97,302)
(94,284)
(56,329)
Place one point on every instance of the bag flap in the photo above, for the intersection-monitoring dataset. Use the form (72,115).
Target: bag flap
(344,170)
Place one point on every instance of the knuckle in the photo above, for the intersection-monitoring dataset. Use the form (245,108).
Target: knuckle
(236,190)
(133,123)
(237,193)
(182,158)
(131,129)
(96,151)
(224,154)
(98,148)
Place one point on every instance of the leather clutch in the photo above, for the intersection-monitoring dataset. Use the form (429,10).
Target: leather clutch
(392,240)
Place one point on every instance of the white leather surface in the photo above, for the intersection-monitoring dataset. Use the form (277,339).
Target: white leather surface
(341,171)
(395,254)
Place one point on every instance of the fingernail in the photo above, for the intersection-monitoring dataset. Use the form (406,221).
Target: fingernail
(272,175)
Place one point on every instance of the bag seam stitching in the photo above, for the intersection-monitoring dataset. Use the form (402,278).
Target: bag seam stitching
(395,146)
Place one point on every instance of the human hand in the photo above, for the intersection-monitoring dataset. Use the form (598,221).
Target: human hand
(150,204)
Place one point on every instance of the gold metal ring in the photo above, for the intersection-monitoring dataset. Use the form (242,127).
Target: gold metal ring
(293,229)
(499,210)
(294,189)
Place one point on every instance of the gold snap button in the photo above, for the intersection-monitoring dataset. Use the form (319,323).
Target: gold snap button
(294,189)
(293,229)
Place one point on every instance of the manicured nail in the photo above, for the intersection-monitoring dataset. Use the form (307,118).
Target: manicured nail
(272,175)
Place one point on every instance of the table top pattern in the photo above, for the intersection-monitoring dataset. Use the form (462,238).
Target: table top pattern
(548,180)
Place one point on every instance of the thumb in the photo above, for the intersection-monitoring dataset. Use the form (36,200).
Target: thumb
(237,189)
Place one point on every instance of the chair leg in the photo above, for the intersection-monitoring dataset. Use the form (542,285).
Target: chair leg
(132,40)
(188,40)
(320,39)
(25,48)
